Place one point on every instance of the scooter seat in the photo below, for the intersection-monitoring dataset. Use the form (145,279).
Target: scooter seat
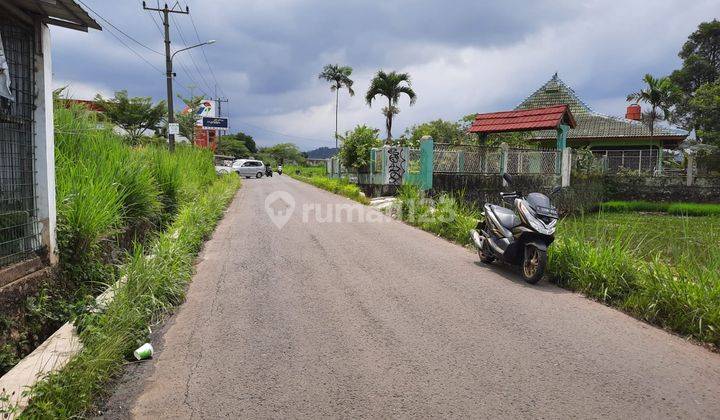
(506,217)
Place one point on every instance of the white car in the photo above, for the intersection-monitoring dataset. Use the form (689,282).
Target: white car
(249,167)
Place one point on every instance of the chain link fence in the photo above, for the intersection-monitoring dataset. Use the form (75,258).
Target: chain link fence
(532,161)
(452,158)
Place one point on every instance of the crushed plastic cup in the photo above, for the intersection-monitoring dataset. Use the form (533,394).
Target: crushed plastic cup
(144,352)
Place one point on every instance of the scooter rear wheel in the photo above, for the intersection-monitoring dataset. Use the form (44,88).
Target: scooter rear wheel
(533,266)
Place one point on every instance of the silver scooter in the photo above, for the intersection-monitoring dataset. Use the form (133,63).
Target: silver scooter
(519,237)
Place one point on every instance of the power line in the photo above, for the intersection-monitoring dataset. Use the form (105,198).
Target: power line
(192,58)
(118,29)
(135,52)
(212,72)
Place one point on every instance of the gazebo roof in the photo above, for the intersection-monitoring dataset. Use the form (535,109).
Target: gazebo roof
(546,118)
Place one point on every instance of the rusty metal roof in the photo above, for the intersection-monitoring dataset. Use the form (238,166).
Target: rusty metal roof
(547,118)
(65,13)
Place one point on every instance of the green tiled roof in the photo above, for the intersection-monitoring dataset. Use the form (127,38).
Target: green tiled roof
(590,124)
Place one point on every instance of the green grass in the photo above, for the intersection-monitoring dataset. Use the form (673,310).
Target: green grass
(306,171)
(334,185)
(154,286)
(111,198)
(687,209)
(448,216)
(663,269)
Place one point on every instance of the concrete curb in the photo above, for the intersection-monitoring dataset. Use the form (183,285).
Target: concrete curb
(50,356)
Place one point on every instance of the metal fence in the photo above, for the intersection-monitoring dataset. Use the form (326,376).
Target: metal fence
(633,160)
(19,233)
(532,161)
(413,164)
(453,158)
(470,159)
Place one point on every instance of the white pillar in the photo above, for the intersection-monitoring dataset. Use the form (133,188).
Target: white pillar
(45,145)
(566,167)
(690,169)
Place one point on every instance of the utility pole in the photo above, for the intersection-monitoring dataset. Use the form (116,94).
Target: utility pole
(220,102)
(168,63)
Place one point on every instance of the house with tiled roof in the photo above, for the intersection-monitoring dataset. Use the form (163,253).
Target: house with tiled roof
(614,137)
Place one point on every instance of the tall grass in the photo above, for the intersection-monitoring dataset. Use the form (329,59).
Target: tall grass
(106,189)
(448,216)
(687,209)
(153,286)
(663,269)
(109,196)
(337,186)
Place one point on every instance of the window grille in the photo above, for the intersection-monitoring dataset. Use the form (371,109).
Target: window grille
(19,233)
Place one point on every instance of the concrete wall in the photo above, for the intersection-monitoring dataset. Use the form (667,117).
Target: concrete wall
(45,143)
(583,193)
(482,188)
(662,188)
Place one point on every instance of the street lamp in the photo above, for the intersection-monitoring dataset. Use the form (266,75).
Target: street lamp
(169,68)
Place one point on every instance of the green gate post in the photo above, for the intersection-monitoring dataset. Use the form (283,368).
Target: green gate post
(562,133)
(426,163)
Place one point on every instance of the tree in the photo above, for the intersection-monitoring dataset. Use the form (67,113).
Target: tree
(134,115)
(283,153)
(356,145)
(701,65)
(657,94)
(440,130)
(232,146)
(187,118)
(340,77)
(390,85)
(705,106)
(247,140)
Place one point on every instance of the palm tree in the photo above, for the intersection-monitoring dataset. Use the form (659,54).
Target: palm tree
(657,94)
(390,85)
(340,77)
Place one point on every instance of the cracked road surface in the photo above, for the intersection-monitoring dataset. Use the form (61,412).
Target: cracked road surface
(384,320)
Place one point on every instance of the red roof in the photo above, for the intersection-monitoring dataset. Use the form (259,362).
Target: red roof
(523,120)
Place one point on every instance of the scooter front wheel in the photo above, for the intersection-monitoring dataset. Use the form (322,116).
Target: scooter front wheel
(485,256)
(534,263)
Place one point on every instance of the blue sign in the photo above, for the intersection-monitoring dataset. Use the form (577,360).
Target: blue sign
(217,123)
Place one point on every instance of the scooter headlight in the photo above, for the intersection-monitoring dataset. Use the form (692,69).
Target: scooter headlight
(529,215)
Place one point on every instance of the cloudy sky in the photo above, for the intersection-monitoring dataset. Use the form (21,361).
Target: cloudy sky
(464,56)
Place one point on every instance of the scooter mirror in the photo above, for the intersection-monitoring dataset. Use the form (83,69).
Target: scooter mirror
(507,178)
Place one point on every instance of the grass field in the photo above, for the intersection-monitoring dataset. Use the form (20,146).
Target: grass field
(684,209)
(664,269)
(673,239)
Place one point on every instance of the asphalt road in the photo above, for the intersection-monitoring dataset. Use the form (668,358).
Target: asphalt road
(378,319)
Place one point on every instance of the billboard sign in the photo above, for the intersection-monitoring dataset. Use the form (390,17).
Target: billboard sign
(207,108)
(218,123)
